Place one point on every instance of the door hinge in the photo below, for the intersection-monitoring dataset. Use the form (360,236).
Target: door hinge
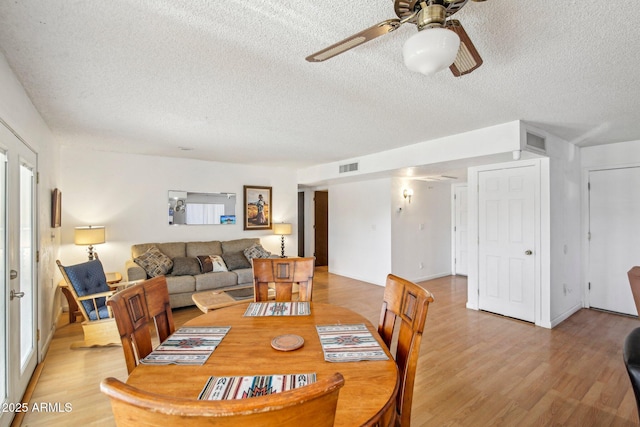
(37,177)
(38,334)
(589,285)
(37,256)
(589,186)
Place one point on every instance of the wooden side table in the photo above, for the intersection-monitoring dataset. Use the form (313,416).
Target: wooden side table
(74,311)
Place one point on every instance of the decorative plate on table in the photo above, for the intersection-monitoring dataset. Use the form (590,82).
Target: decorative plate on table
(287,342)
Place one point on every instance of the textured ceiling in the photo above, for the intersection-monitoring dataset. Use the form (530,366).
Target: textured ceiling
(227,80)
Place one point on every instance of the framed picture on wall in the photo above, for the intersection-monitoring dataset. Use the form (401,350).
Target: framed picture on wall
(257,207)
(56,208)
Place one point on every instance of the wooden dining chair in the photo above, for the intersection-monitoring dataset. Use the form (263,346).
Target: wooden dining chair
(634,282)
(283,273)
(408,303)
(157,296)
(313,405)
(130,310)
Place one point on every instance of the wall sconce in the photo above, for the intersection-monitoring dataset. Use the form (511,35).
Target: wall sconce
(91,235)
(283,230)
(407,193)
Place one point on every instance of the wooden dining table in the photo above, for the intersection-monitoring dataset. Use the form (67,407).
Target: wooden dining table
(369,393)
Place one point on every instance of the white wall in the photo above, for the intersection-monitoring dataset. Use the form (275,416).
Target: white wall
(611,155)
(421,230)
(128,194)
(565,239)
(360,230)
(18,113)
(503,138)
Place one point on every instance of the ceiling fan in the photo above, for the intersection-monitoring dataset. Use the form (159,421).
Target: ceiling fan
(440,42)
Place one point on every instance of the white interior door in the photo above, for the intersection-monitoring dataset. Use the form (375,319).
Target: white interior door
(614,227)
(506,231)
(18,338)
(461,239)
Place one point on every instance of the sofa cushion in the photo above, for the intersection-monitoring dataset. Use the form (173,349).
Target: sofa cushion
(185,266)
(181,284)
(154,262)
(245,275)
(204,248)
(211,263)
(171,249)
(208,281)
(238,245)
(256,251)
(235,260)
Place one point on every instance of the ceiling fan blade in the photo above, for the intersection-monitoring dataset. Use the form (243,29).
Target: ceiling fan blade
(370,33)
(468,58)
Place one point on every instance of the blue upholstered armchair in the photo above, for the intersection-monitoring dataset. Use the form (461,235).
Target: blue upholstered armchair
(88,285)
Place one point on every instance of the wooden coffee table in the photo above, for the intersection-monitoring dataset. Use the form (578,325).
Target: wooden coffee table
(211,300)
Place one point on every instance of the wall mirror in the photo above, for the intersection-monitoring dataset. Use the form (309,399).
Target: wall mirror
(190,208)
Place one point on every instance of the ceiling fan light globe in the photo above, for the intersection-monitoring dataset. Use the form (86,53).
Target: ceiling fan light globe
(431,50)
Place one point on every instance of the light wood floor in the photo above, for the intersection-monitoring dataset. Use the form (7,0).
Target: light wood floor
(475,368)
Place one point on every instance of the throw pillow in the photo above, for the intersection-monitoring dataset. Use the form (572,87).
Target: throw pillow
(236,260)
(256,251)
(185,266)
(154,262)
(211,263)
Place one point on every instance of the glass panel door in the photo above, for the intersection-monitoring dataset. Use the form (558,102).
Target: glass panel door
(26,262)
(4,317)
(18,278)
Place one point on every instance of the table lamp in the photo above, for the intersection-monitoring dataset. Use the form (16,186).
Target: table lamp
(282,229)
(91,235)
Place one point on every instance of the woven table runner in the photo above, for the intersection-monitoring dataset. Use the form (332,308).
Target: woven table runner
(187,346)
(293,308)
(228,388)
(349,343)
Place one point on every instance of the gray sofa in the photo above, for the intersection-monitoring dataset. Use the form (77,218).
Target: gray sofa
(187,277)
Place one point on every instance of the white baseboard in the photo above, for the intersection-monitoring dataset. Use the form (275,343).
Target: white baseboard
(564,316)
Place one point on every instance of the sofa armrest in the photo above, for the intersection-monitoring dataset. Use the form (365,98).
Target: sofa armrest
(134,271)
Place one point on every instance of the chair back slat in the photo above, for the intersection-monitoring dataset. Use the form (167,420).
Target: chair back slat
(405,303)
(313,405)
(157,296)
(634,282)
(283,273)
(132,317)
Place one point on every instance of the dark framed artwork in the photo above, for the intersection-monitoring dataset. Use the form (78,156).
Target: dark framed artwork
(257,207)
(56,208)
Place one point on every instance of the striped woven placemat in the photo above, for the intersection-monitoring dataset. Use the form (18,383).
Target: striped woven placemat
(227,388)
(349,343)
(289,308)
(187,346)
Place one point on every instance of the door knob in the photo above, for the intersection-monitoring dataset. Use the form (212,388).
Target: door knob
(13,294)
(529,252)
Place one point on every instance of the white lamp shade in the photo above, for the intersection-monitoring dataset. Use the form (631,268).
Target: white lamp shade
(89,235)
(282,229)
(431,50)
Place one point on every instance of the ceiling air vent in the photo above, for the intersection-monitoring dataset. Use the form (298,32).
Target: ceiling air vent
(351,167)
(536,143)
